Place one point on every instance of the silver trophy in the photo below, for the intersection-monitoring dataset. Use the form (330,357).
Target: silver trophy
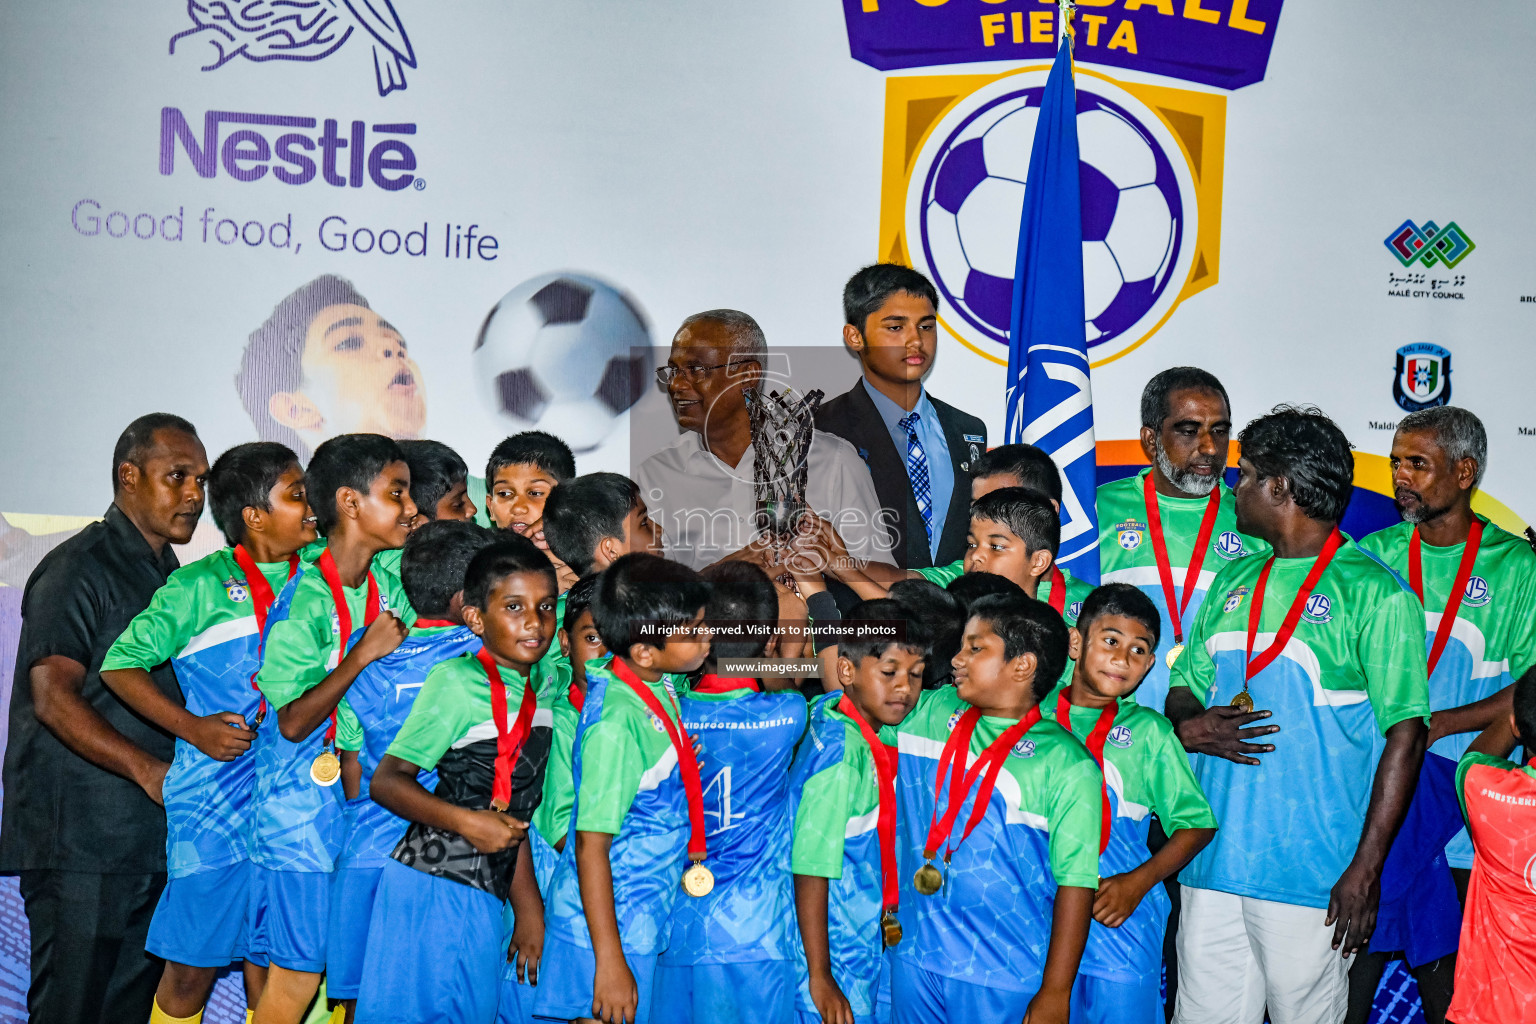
(781,443)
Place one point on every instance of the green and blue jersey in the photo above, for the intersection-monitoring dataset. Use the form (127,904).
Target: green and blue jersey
(627,784)
(203,621)
(1290,825)
(1127,555)
(379,701)
(990,924)
(748,740)
(299,825)
(1146,773)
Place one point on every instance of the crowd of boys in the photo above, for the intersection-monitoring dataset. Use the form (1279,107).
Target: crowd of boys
(534,770)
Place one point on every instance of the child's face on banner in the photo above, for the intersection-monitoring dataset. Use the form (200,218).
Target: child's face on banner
(359,376)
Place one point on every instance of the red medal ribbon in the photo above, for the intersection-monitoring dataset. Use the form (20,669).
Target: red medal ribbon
(262,599)
(962,779)
(711,683)
(509,741)
(1095,745)
(1453,602)
(332,576)
(885,788)
(1058,598)
(576,697)
(687,763)
(1160,551)
(1292,617)
(434,624)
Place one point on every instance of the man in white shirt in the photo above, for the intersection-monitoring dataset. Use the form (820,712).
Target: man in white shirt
(700,487)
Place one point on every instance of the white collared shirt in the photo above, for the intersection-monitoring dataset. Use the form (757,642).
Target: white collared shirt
(706,507)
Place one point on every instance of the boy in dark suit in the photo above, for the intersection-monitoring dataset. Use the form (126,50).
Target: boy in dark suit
(917,447)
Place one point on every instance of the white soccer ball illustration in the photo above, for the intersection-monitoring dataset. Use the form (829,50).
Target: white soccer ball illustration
(1136,223)
(564,352)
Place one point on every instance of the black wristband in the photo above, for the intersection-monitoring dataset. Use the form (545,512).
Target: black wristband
(823,608)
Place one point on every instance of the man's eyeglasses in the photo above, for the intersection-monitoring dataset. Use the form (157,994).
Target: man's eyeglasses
(666,374)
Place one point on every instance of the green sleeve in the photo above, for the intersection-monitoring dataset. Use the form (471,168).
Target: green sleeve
(297,653)
(1522,645)
(1396,674)
(1470,758)
(943,575)
(441,715)
(1074,816)
(1177,799)
(349,730)
(553,817)
(1195,669)
(160,631)
(821,822)
(611,765)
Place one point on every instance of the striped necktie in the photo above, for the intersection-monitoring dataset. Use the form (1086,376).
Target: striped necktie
(917,472)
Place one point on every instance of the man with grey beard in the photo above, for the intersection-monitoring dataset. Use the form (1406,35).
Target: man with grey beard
(1478,586)
(1167,531)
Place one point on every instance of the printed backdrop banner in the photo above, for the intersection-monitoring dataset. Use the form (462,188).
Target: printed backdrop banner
(459,220)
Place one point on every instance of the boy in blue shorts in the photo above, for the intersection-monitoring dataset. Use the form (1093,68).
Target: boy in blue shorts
(843,808)
(1000,825)
(638,817)
(435,559)
(207,621)
(435,945)
(1146,772)
(524,914)
(731,957)
(332,620)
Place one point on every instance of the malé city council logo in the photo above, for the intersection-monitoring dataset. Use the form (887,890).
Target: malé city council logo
(305,30)
(1429,245)
(1423,377)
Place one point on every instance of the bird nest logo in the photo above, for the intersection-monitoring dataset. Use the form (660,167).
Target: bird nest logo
(305,30)
(1150,174)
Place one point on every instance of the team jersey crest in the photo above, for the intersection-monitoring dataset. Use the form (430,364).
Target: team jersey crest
(1120,736)
(1477,593)
(237,590)
(1319,609)
(1075,609)
(1230,545)
(1024,748)
(1129,533)
(1234,598)
(953,720)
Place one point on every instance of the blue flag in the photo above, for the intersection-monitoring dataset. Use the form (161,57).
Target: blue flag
(1049,399)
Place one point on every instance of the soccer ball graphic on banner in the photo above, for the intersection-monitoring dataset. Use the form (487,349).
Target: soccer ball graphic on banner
(566,353)
(967,196)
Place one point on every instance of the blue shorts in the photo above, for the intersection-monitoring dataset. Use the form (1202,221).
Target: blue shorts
(1096,1001)
(289,913)
(759,992)
(566,971)
(434,952)
(200,920)
(352,892)
(922,997)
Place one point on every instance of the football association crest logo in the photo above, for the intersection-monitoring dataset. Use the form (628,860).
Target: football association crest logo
(1423,377)
(1234,598)
(1129,534)
(236,589)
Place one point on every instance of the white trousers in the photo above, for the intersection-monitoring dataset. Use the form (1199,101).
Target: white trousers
(1239,955)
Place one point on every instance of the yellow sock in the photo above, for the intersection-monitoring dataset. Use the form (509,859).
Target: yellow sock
(159,1016)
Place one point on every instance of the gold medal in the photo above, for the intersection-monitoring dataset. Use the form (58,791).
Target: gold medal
(498,805)
(890,929)
(1173,654)
(1243,702)
(928,879)
(325,769)
(698,880)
